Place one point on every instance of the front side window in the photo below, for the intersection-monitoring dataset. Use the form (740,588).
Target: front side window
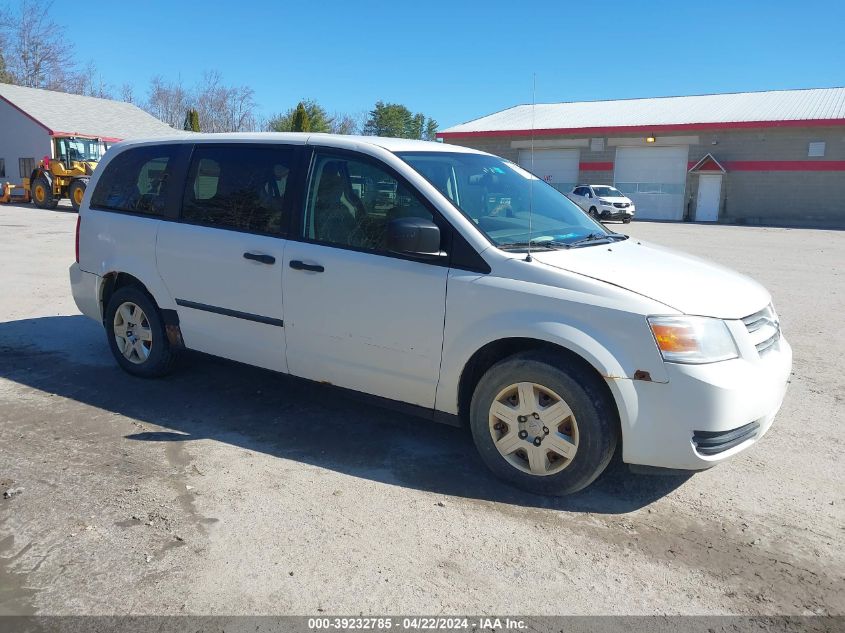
(137,180)
(238,187)
(351,202)
(509,205)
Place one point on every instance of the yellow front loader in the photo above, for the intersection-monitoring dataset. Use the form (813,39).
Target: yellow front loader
(66,175)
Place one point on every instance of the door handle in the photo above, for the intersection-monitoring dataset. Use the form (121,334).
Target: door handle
(299,265)
(258,257)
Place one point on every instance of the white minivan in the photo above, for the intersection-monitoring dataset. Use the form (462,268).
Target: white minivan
(471,293)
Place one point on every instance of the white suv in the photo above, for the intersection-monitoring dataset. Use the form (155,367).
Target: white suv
(474,294)
(603,202)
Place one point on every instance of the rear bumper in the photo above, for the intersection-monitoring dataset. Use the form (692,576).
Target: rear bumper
(706,414)
(86,292)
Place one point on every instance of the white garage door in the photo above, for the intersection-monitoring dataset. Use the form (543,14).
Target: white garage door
(558,167)
(654,178)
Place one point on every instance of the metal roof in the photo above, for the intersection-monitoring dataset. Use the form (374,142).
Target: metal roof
(61,112)
(742,109)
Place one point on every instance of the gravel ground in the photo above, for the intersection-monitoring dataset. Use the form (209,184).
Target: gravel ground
(225,489)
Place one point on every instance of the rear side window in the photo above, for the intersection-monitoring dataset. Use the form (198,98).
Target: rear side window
(239,187)
(136,181)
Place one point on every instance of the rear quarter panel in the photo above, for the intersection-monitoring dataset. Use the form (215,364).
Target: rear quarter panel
(120,242)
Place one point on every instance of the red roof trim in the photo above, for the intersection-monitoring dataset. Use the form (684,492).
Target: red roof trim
(674,127)
(26,114)
(785,165)
(707,163)
(107,139)
(585,166)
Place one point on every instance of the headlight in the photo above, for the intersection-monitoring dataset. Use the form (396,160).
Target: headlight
(683,339)
(605,202)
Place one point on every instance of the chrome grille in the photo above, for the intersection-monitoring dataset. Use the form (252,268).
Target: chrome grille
(621,205)
(763,328)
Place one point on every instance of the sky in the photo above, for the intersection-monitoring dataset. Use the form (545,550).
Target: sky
(459,60)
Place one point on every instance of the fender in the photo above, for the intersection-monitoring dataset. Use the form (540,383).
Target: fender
(589,341)
(145,273)
(41,172)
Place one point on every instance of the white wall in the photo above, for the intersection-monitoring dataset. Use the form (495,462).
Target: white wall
(20,137)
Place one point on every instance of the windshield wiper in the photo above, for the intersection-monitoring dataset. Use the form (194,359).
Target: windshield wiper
(596,238)
(547,244)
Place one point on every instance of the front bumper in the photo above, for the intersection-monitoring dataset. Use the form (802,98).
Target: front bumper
(615,213)
(86,292)
(705,414)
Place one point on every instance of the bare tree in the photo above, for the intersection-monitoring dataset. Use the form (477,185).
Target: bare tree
(221,108)
(224,108)
(167,101)
(89,82)
(37,53)
(344,124)
(127,93)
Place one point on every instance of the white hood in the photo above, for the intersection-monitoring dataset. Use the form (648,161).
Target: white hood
(683,282)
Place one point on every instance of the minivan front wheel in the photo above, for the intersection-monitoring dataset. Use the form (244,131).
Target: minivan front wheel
(543,424)
(136,334)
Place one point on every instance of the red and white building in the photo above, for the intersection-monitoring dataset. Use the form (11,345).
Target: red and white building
(774,157)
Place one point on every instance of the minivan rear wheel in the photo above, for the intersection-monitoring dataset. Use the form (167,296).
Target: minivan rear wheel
(543,424)
(136,334)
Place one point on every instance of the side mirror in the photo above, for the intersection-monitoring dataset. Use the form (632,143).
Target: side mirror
(415,236)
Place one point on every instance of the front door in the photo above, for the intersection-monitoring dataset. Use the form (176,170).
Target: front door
(358,316)
(709,195)
(223,262)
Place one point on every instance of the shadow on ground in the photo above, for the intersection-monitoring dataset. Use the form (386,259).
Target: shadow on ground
(284,417)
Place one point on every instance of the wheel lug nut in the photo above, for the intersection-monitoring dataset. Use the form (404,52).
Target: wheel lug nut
(538,441)
(536,416)
(523,434)
(546,430)
(522,419)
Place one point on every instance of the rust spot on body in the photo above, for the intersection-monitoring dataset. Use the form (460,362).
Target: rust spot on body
(642,375)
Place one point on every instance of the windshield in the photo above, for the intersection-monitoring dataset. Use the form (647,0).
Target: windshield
(80,149)
(497,196)
(608,192)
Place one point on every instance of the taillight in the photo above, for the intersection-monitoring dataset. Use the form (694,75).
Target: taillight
(78,222)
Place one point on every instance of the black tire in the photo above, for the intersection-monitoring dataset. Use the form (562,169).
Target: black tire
(75,193)
(161,355)
(42,193)
(626,221)
(594,212)
(595,412)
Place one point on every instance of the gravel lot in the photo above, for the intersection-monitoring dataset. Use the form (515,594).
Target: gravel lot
(225,489)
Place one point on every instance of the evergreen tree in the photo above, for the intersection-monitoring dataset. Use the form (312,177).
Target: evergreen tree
(430,130)
(301,121)
(192,121)
(394,119)
(389,119)
(5,75)
(318,118)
